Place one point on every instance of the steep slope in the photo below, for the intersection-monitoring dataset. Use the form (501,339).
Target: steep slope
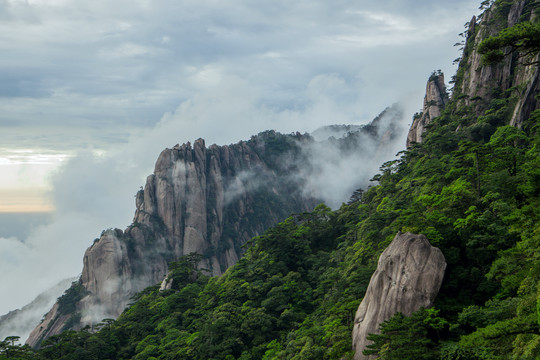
(482,85)
(208,201)
(479,82)
(204,200)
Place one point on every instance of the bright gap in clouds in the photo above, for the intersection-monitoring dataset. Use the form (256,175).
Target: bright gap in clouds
(24,201)
(24,184)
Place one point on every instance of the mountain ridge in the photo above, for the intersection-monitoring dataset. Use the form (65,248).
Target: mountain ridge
(204,200)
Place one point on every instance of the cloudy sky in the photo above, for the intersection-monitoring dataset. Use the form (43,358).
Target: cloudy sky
(92,91)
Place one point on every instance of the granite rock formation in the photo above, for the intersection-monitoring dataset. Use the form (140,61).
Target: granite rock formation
(517,76)
(435,99)
(201,200)
(514,73)
(408,277)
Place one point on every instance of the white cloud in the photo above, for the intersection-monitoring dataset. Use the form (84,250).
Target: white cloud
(53,252)
(93,191)
(389,21)
(333,171)
(23,322)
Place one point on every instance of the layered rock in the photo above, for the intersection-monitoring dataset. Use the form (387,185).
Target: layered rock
(435,99)
(408,277)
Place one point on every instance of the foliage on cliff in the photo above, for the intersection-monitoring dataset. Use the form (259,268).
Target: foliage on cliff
(522,38)
(295,292)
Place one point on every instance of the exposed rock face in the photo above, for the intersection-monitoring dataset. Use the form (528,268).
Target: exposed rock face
(107,277)
(478,83)
(480,80)
(204,200)
(434,101)
(166,284)
(409,275)
(52,324)
(212,200)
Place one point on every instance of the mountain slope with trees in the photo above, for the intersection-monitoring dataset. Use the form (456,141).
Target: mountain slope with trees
(472,186)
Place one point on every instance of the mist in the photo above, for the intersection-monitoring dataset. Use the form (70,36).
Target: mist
(334,168)
(22,322)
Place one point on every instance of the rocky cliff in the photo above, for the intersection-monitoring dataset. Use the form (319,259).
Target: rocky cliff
(487,94)
(478,82)
(205,200)
(408,276)
(435,99)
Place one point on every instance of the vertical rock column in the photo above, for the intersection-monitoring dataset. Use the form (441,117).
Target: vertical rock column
(434,101)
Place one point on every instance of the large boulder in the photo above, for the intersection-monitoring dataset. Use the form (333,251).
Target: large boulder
(408,277)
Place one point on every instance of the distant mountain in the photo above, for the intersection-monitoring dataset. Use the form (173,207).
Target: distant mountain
(22,321)
(335,131)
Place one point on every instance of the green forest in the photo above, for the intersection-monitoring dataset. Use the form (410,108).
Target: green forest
(475,194)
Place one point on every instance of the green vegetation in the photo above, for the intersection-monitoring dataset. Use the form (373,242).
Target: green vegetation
(67,302)
(10,350)
(271,146)
(523,37)
(474,192)
(413,337)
